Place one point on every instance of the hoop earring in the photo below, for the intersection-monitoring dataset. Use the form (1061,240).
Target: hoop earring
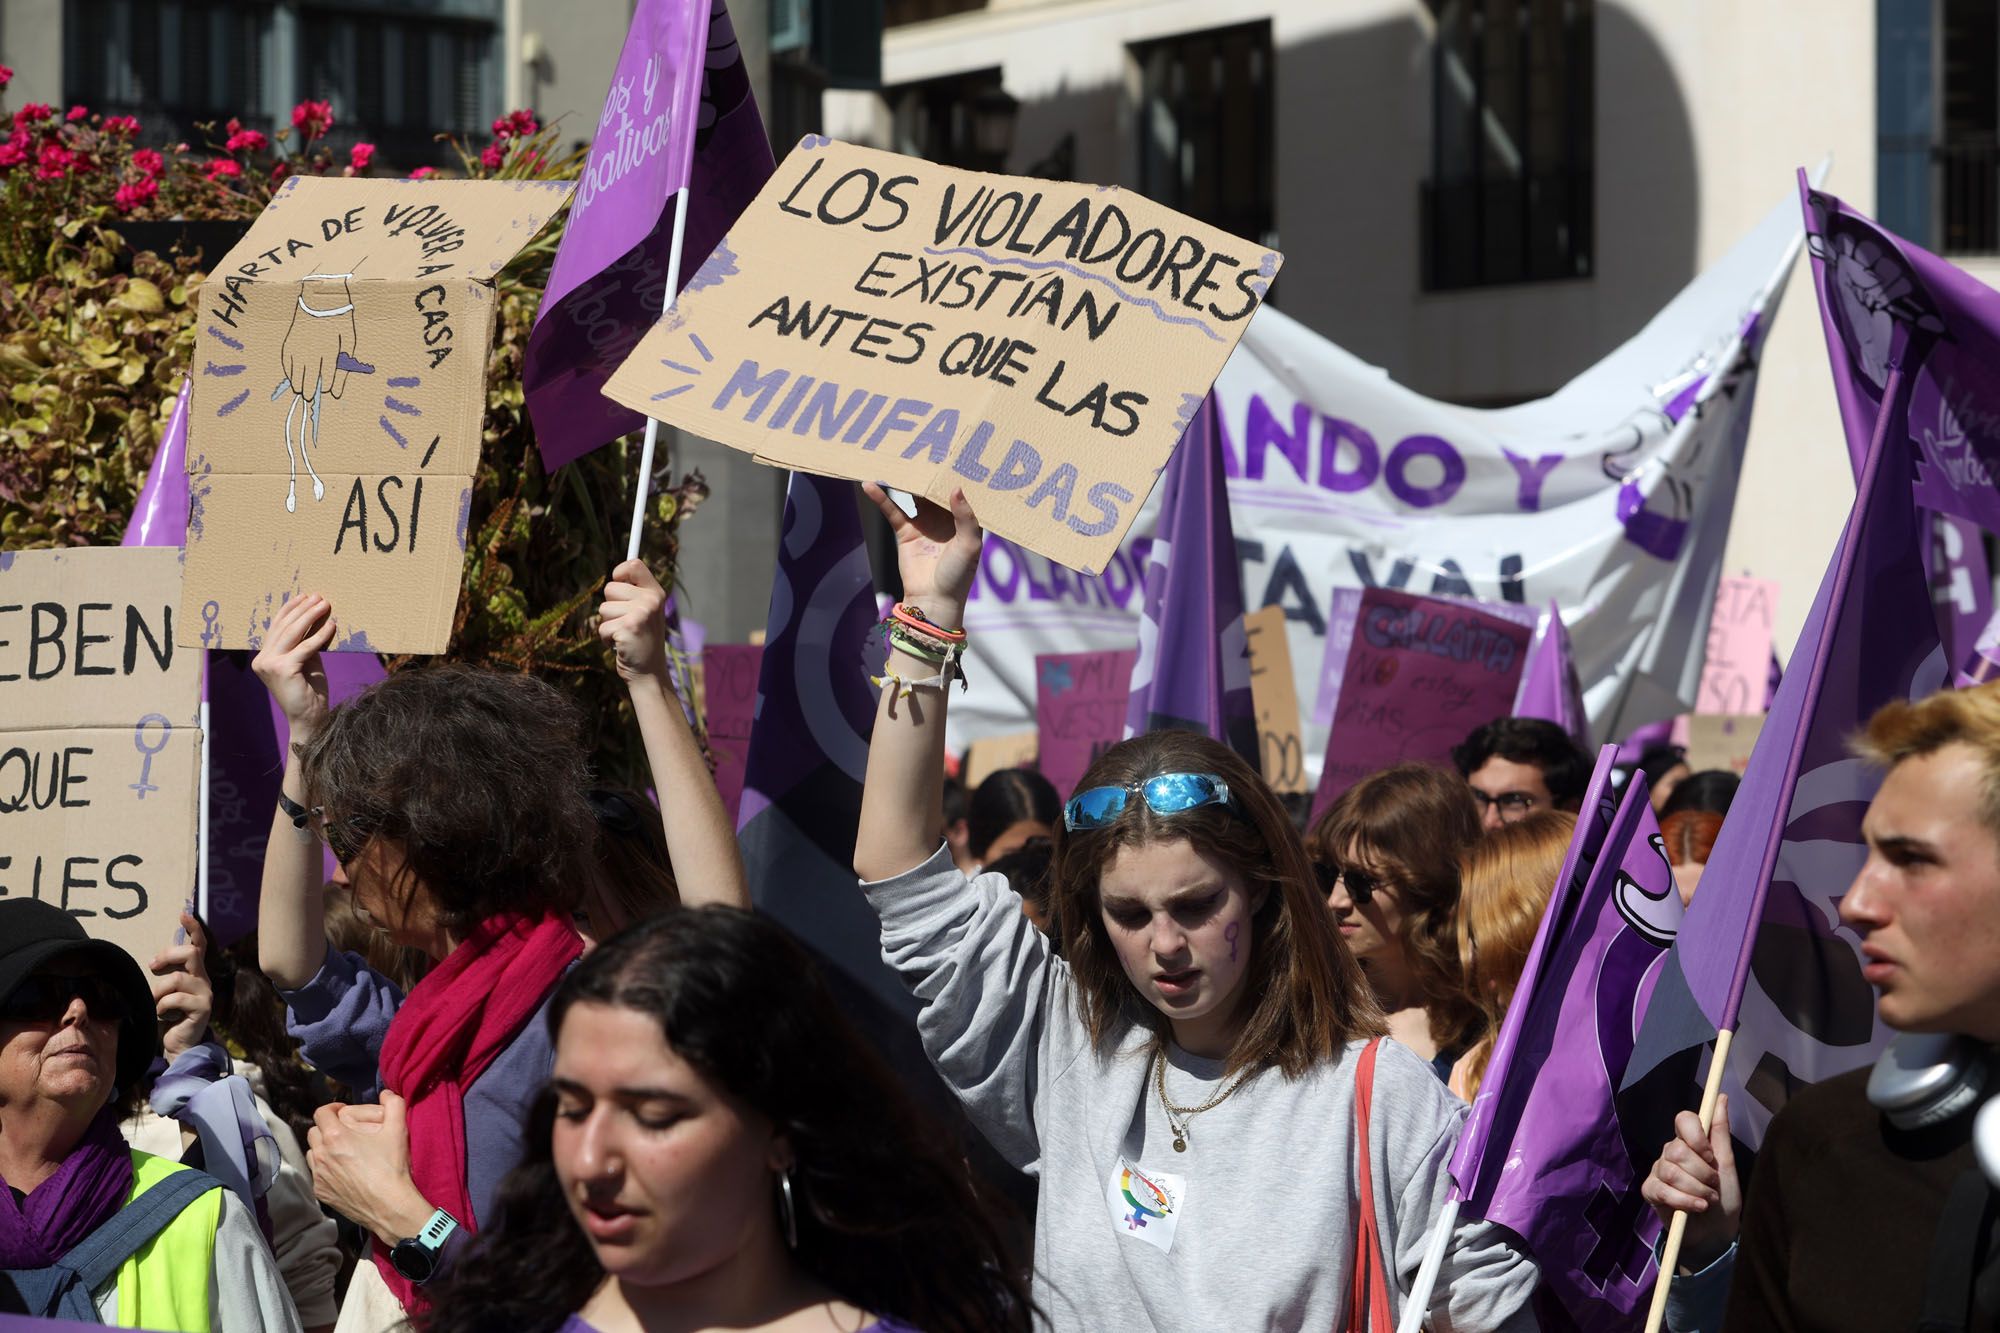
(788,1216)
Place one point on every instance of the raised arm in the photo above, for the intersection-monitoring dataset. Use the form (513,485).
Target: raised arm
(902,802)
(700,841)
(291,928)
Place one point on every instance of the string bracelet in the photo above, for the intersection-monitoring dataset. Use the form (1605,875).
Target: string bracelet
(930,650)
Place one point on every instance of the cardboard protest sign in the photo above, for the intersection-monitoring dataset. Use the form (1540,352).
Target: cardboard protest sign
(1281,748)
(1722,740)
(1040,344)
(100,757)
(989,754)
(1080,703)
(729,691)
(339,394)
(1735,676)
(1421,674)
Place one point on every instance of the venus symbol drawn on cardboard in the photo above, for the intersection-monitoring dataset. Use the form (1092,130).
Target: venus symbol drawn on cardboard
(338,405)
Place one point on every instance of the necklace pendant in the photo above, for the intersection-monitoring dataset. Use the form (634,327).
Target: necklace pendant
(1180,1143)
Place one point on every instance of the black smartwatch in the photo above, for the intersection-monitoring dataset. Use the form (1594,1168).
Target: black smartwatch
(416,1257)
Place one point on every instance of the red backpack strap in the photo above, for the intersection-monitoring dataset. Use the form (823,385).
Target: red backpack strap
(1368,1306)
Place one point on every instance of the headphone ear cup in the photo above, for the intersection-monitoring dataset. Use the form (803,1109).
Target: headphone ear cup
(1986,1139)
(1925,1079)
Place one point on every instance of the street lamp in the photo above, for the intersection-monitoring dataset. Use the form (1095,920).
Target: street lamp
(993,113)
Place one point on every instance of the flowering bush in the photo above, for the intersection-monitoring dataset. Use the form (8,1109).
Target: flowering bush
(95,339)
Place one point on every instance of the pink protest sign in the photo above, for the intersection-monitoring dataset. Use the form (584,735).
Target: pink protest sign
(729,680)
(1420,674)
(1080,703)
(1736,674)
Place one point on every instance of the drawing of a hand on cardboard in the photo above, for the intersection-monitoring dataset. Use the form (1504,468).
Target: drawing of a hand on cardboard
(317,354)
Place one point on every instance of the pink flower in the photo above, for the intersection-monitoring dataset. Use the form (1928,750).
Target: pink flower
(53,161)
(33,111)
(121,125)
(493,155)
(218,167)
(247,141)
(149,161)
(523,123)
(280,169)
(359,156)
(423,173)
(77,113)
(531,161)
(134,193)
(312,119)
(6,76)
(14,151)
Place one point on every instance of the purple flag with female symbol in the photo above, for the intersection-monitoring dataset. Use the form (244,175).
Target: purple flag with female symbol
(680,113)
(1550,689)
(1545,1152)
(1193,671)
(1762,952)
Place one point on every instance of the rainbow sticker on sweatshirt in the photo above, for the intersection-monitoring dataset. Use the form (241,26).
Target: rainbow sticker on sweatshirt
(1145,1205)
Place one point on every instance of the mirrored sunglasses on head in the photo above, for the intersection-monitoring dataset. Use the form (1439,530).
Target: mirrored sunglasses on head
(1165,794)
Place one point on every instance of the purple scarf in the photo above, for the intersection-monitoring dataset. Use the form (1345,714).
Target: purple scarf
(89,1186)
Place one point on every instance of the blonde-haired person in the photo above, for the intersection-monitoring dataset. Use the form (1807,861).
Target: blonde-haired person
(1505,882)
(1387,855)
(1160,1077)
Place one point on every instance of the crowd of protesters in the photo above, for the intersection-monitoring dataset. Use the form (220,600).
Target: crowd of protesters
(529,1060)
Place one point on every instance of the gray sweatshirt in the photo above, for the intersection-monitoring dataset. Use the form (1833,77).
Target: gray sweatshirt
(1251,1227)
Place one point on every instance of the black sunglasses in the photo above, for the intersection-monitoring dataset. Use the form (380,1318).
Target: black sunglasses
(45,999)
(346,839)
(1360,884)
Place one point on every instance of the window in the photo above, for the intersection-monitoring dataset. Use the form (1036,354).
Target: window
(1205,127)
(940,120)
(1512,102)
(173,63)
(399,78)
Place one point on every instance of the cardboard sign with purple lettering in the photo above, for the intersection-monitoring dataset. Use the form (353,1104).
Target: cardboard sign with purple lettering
(1039,343)
(729,676)
(100,747)
(1080,703)
(1420,675)
(1737,672)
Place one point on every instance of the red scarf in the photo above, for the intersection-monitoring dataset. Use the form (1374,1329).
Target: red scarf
(451,1027)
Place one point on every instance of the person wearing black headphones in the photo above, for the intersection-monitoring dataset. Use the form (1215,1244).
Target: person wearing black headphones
(1870,1208)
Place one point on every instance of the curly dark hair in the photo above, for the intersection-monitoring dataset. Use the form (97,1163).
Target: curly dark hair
(251,1014)
(887,1217)
(479,774)
(1529,740)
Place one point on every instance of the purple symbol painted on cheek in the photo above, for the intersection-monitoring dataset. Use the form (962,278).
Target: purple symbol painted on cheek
(1230,935)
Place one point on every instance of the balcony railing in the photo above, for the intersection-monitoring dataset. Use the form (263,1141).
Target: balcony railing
(1965,174)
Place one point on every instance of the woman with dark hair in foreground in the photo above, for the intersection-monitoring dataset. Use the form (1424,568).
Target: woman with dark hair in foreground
(720,1150)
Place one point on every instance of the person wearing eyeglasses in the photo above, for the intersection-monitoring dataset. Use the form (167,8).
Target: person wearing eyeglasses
(1514,766)
(1387,855)
(92,1230)
(1188,1081)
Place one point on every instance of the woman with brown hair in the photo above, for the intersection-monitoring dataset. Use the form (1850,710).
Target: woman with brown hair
(1387,855)
(1505,882)
(1689,836)
(1190,1081)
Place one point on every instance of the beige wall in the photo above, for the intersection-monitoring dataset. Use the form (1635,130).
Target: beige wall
(31,44)
(1704,110)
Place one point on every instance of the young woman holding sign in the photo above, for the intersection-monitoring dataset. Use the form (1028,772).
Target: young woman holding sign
(1196,1081)
(454,801)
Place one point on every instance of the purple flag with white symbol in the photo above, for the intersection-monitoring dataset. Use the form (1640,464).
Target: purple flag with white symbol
(1193,672)
(1550,689)
(1544,1151)
(246,732)
(680,113)
(1762,952)
(808,749)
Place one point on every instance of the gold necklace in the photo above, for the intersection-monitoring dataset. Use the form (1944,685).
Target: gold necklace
(1187,1113)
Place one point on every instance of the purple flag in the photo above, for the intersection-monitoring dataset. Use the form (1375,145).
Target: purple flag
(1762,952)
(1550,689)
(1193,671)
(1961,584)
(160,514)
(1544,1151)
(808,746)
(609,283)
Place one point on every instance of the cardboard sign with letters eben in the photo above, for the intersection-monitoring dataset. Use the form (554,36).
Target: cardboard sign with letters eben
(1038,343)
(339,394)
(99,739)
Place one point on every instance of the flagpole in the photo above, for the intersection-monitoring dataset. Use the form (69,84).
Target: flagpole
(1420,1291)
(653,423)
(201,808)
(1670,1256)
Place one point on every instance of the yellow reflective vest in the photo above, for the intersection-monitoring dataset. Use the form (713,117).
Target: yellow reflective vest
(165,1284)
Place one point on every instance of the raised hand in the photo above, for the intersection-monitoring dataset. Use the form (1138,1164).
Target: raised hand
(289,662)
(632,619)
(323,328)
(937,552)
(183,995)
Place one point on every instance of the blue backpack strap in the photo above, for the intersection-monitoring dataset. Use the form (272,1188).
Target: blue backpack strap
(63,1289)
